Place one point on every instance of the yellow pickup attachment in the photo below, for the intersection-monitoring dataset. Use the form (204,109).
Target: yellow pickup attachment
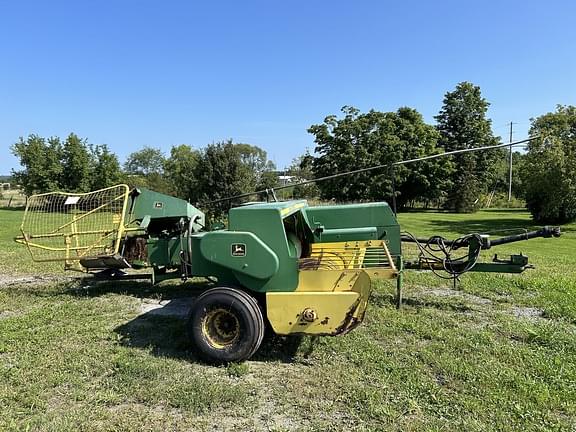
(333,289)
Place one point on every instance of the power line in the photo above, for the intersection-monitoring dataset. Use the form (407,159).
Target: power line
(388,165)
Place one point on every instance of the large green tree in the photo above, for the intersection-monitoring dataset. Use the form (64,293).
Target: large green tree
(149,160)
(255,158)
(74,165)
(221,173)
(501,171)
(41,160)
(77,164)
(462,124)
(549,170)
(361,140)
(302,169)
(179,170)
(107,171)
(259,168)
(145,168)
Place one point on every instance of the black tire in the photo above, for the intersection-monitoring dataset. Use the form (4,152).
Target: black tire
(226,325)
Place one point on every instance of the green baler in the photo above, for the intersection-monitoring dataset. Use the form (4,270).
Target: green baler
(302,269)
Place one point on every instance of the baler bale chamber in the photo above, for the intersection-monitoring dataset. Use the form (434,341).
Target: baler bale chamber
(297,268)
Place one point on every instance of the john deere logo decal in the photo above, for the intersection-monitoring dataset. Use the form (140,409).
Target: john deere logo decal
(238,249)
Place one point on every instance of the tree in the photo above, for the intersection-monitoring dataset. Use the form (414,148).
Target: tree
(179,170)
(143,162)
(268,180)
(302,169)
(107,170)
(501,171)
(462,124)
(258,166)
(42,162)
(549,170)
(221,173)
(376,138)
(255,158)
(74,166)
(77,165)
(145,168)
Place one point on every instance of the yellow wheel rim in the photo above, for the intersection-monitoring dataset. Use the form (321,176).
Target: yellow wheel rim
(221,328)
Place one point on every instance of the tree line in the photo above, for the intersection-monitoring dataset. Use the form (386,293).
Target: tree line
(352,141)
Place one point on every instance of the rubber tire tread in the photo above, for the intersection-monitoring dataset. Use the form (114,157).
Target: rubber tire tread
(254,315)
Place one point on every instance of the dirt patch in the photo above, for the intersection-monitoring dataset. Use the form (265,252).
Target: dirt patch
(7,280)
(520,312)
(175,308)
(455,293)
(8,314)
(270,411)
(528,313)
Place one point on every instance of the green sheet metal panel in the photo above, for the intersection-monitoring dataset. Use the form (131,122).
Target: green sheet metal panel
(265,220)
(242,252)
(159,206)
(355,222)
(164,251)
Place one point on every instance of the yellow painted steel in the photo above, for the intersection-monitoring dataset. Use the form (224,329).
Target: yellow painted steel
(285,311)
(364,254)
(220,328)
(333,288)
(288,210)
(67,227)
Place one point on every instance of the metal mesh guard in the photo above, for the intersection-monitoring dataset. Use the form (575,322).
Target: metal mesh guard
(348,255)
(62,226)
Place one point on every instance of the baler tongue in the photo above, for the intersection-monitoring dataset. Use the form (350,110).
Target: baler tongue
(333,288)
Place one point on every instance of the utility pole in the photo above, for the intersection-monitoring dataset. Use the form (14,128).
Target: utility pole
(510,173)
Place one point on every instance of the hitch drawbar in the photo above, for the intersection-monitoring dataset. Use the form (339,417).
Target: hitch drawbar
(545,232)
(436,252)
(486,242)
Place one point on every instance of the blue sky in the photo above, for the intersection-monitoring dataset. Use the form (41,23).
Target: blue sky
(140,73)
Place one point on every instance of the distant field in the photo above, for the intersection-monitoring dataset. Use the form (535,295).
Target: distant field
(12,198)
(498,355)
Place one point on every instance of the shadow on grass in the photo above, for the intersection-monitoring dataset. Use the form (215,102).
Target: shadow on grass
(380,299)
(440,210)
(162,336)
(504,210)
(93,287)
(162,331)
(501,226)
(496,227)
(13,208)
(161,327)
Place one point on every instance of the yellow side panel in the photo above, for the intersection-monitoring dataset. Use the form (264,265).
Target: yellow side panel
(333,311)
(327,280)
(339,280)
(333,288)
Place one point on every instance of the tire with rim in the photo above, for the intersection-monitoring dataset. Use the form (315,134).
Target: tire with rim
(226,325)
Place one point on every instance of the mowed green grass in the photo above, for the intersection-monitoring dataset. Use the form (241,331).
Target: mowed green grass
(79,356)
(15,258)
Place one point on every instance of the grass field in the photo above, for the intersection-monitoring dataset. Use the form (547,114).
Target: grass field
(499,354)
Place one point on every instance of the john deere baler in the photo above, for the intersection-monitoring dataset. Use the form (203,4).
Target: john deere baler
(307,270)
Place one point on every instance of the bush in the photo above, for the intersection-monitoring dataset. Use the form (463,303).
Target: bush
(549,172)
